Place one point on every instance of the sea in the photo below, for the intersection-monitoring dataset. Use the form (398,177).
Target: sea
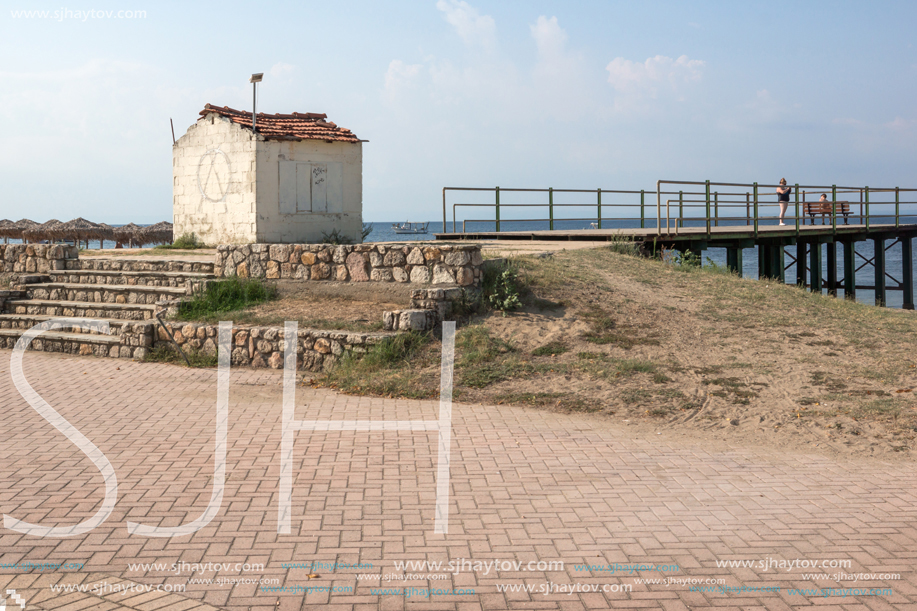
(865,275)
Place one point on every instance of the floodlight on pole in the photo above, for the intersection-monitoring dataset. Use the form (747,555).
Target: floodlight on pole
(254,80)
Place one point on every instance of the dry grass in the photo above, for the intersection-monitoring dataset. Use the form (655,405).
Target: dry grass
(697,349)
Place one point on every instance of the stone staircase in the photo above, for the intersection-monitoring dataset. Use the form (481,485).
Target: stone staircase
(122,292)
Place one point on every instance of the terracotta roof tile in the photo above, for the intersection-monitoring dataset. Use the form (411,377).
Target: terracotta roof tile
(297,126)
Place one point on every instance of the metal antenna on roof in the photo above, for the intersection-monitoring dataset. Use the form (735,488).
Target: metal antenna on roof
(254,80)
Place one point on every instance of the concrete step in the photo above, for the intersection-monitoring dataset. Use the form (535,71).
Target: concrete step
(76,343)
(104,293)
(49,307)
(116,326)
(116,277)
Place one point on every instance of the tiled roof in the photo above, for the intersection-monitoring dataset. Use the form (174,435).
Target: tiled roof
(298,126)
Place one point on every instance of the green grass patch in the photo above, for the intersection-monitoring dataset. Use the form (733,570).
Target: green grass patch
(166,353)
(389,368)
(222,296)
(550,349)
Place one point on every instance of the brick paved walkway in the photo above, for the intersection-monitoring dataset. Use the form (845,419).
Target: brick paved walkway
(526,486)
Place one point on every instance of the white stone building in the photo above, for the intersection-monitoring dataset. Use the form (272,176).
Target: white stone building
(294,178)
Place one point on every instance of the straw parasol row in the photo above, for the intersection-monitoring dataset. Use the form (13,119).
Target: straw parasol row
(79,229)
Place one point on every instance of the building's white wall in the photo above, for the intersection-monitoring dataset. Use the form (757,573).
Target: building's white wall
(344,198)
(226,213)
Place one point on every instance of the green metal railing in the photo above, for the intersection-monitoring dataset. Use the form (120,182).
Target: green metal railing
(700,204)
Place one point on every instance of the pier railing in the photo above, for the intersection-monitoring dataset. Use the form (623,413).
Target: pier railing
(681,204)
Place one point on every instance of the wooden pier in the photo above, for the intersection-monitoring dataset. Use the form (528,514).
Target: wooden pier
(771,240)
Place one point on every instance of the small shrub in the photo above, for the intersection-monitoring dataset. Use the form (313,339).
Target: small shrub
(187,241)
(624,246)
(501,288)
(367,229)
(224,296)
(335,237)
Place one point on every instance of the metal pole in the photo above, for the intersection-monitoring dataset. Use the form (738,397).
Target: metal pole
(599,191)
(641,208)
(756,208)
(867,208)
(796,190)
(716,208)
(708,206)
(747,208)
(497,190)
(897,206)
(254,100)
(444,213)
(551,208)
(833,208)
(681,210)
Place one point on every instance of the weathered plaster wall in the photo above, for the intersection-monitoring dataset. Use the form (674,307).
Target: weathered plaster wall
(282,170)
(213,174)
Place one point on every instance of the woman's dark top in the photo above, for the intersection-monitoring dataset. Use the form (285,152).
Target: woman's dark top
(784,197)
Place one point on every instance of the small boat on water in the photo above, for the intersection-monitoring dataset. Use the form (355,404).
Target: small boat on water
(408,227)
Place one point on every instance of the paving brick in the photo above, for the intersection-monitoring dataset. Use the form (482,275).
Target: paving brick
(526,485)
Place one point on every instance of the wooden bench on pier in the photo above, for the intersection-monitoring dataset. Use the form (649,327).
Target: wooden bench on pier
(824,209)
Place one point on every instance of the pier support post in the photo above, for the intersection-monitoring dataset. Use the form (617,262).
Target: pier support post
(907,268)
(777,259)
(832,268)
(815,266)
(801,263)
(734,260)
(850,281)
(763,261)
(879,265)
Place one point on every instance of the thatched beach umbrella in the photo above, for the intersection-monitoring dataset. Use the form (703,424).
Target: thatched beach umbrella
(108,235)
(80,229)
(45,231)
(160,233)
(22,225)
(131,234)
(8,230)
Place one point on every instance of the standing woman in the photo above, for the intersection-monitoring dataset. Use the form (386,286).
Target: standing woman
(783,198)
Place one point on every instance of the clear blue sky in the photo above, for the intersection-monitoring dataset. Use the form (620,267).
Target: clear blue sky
(480,93)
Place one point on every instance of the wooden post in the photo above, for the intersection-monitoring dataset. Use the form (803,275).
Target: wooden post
(907,268)
(832,268)
(777,258)
(815,266)
(878,263)
(498,209)
(762,261)
(734,259)
(850,284)
(801,263)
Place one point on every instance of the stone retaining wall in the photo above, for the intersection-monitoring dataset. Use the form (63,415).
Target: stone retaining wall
(263,346)
(419,264)
(35,258)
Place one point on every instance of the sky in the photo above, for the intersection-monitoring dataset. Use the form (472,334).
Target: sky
(474,93)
